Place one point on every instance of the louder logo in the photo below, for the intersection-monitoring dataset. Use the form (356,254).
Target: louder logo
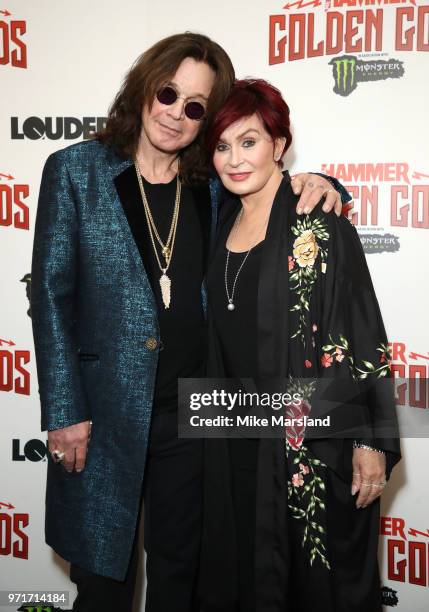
(13,50)
(55,128)
(33,450)
(13,539)
(14,376)
(14,210)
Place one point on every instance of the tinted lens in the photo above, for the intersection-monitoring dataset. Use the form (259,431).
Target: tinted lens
(167,95)
(194,110)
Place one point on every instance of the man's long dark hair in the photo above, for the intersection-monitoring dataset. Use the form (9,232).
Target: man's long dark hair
(150,71)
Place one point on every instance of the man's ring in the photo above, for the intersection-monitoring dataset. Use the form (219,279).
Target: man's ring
(331,191)
(57,455)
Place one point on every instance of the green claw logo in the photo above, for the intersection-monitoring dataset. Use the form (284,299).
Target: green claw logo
(344,71)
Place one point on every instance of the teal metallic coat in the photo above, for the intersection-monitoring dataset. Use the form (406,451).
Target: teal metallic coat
(96,338)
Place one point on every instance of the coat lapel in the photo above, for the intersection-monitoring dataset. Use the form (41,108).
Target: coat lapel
(273,292)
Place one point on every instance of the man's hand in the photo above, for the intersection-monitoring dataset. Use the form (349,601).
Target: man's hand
(73,441)
(312,187)
(369,475)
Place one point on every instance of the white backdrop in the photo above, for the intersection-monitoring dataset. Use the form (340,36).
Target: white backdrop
(66,60)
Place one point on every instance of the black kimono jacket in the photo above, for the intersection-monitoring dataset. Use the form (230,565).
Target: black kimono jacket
(317,318)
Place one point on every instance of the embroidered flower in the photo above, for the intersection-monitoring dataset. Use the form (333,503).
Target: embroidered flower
(290,262)
(326,360)
(383,358)
(314,327)
(295,433)
(305,249)
(304,468)
(339,355)
(297,480)
(307,363)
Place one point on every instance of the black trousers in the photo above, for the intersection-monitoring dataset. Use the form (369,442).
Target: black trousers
(172,494)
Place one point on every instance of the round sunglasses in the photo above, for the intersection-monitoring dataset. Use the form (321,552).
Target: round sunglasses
(193,110)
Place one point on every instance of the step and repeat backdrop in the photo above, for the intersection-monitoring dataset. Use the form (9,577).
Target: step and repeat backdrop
(355,75)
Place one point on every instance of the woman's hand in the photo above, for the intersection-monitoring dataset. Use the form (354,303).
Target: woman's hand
(369,475)
(312,188)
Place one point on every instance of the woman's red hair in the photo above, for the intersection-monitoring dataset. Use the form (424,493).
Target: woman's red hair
(247,97)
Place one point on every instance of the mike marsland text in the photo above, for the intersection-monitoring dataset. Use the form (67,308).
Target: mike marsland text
(255,421)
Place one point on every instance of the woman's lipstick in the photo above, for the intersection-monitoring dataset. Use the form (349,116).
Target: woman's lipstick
(239,176)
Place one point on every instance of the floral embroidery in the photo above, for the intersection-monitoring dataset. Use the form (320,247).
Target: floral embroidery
(306,250)
(306,492)
(340,350)
(297,480)
(307,363)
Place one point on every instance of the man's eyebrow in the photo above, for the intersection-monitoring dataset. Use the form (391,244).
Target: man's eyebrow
(197,95)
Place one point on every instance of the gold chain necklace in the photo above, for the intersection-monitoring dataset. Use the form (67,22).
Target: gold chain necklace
(168,246)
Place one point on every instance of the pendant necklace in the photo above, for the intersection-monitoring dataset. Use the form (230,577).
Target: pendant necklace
(230,297)
(168,246)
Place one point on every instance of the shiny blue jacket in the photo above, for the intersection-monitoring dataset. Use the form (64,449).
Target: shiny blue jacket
(96,339)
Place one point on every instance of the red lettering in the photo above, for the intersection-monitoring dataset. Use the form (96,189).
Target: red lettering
(5,534)
(420,214)
(351,32)
(22,385)
(22,218)
(313,51)
(417,563)
(398,351)
(20,547)
(4,43)
(296,22)
(6,371)
(334,27)
(418,386)
(19,59)
(395,570)
(399,218)
(423,28)
(404,40)
(5,205)
(277,49)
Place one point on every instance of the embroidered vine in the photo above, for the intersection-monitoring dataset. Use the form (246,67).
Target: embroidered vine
(339,350)
(302,271)
(305,491)
(305,485)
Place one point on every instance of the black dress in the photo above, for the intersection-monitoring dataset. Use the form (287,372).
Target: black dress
(281,530)
(237,338)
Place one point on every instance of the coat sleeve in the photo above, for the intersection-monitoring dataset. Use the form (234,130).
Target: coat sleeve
(54,269)
(353,334)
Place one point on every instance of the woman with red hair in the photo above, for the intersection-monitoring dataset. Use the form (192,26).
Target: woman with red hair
(291,524)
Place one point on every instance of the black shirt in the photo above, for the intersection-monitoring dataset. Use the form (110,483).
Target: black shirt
(235,329)
(182,324)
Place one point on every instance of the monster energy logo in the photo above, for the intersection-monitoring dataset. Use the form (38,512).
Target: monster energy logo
(348,71)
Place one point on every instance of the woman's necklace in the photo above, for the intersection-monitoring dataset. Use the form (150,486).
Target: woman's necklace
(230,297)
(168,246)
